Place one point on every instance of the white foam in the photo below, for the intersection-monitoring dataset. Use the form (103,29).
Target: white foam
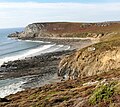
(45,49)
(56,48)
(64,47)
(29,40)
(27,54)
(67,47)
(33,41)
(60,46)
(11,89)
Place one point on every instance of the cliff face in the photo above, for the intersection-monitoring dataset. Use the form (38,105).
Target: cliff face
(60,29)
(97,66)
(93,60)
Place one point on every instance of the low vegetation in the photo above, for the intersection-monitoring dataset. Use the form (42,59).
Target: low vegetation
(102,90)
(102,93)
(97,89)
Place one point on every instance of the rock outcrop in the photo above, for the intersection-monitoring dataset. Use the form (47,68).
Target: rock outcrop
(97,66)
(64,29)
(93,60)
(95,91)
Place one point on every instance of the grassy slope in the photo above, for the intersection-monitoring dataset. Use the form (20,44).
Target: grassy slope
(63,29)
(82,29)
(65,94)
(73,93)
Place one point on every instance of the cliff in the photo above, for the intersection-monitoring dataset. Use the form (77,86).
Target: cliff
(64,29)
(95,59)
(99,58)
(92,73)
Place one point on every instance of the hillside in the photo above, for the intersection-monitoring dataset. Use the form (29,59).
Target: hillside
(64,29)
(95,91)
(91,74)
(95,59)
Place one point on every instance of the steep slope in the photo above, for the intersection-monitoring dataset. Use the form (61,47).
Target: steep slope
(96,91)
(96,59)
(93,73)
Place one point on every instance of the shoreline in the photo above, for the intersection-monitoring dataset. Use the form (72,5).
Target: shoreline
(73,42)
(43,68)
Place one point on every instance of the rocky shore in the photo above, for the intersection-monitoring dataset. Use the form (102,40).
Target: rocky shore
(92,69)
(42,69)
(97,90)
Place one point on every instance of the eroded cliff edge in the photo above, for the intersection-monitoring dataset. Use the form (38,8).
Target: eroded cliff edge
(66,29)
(93,60)
(98,84)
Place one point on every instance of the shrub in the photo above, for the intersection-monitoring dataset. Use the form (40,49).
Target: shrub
(103,93)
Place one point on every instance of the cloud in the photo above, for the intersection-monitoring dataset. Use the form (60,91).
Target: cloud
(20,14)
(21,5)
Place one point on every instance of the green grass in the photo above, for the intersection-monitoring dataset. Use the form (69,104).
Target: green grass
(103,93)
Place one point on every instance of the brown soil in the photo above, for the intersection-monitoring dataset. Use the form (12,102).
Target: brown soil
(91,88)
(71,93)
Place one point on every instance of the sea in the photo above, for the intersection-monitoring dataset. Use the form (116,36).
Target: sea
(14,49)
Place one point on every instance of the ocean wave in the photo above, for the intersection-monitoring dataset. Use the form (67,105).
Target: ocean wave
(56,48)
(36,41)
(29,53)
(7,43)
(11,88)
(63,47)
(18,50)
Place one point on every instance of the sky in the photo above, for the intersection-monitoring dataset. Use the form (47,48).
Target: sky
(20,13)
